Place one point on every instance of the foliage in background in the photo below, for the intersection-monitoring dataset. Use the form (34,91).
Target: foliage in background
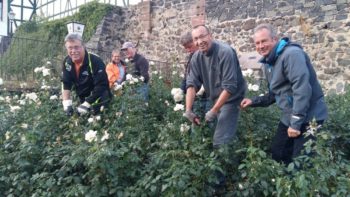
(35,42)
(132,149)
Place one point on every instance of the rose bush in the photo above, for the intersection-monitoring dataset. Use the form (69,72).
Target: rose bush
(137,149)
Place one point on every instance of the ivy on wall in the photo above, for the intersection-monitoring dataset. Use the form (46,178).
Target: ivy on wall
(35,43)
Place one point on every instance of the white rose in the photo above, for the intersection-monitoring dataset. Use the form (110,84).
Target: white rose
(105,136)
(90,120)
(178,97)
(14,108)
(128,77)
(184,128)
(120,135)
(53,97)
(179,107)
(176,91)
(90,136)
(31,96)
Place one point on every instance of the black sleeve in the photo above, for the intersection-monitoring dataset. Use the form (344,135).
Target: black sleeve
(67,79)
(144,69)
(100,79)
(263,101)
(183,86)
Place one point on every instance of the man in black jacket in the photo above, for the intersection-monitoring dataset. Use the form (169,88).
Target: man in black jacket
(140,67)
(86,73)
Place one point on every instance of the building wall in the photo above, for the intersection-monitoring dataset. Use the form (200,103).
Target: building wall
(321,26)
(3,19)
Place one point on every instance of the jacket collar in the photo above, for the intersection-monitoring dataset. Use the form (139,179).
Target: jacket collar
(276,51)
(212,48)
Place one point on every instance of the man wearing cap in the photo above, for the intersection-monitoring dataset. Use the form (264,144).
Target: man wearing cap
(140,67)
(86,73)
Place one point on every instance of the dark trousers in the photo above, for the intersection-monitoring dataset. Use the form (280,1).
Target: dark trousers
(284,148)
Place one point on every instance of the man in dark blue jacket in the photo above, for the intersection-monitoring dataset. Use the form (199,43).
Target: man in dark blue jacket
(293,85)
(86,73)
(140,67)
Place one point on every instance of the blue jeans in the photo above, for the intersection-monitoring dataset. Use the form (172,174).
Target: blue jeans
(143,91)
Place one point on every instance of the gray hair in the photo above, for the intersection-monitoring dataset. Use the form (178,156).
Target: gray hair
(186,38)
(267,26)
(73,37)
(205,27)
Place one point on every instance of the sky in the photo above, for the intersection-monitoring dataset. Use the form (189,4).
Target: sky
(59,6)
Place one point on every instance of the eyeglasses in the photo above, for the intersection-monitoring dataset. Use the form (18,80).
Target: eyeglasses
(200,37)
(70,48)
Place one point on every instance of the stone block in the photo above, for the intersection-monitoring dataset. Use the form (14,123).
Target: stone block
(197,20)
(341,1)
(323,77)
(329,7)
(248,24)
(309,4)
(343,62)
(250,60)
(270,13)
(331,71)
(341,17)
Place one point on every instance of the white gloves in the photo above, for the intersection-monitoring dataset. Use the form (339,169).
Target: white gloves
(66,104)
(84,108)
(67,107)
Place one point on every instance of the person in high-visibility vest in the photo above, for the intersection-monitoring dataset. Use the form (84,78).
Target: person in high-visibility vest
(86,73)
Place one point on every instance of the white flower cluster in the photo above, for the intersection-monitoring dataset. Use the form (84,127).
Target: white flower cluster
(91,136)
(179,107)
(132,80)
(118,87)
(23,85)
(45,71)
(253,87)
(248,73)
(105,136)
(14,108)
(31,96)
(53,97)
(151,63)
(178,94)
(94,119)
(184,128)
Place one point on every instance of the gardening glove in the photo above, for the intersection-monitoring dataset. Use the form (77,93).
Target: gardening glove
(67,107)
(84,108)
(210,116)
(191,117)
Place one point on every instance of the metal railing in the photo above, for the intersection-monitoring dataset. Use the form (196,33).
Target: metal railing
(19,57)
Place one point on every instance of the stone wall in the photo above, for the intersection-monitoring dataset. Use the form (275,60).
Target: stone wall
(321,26)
